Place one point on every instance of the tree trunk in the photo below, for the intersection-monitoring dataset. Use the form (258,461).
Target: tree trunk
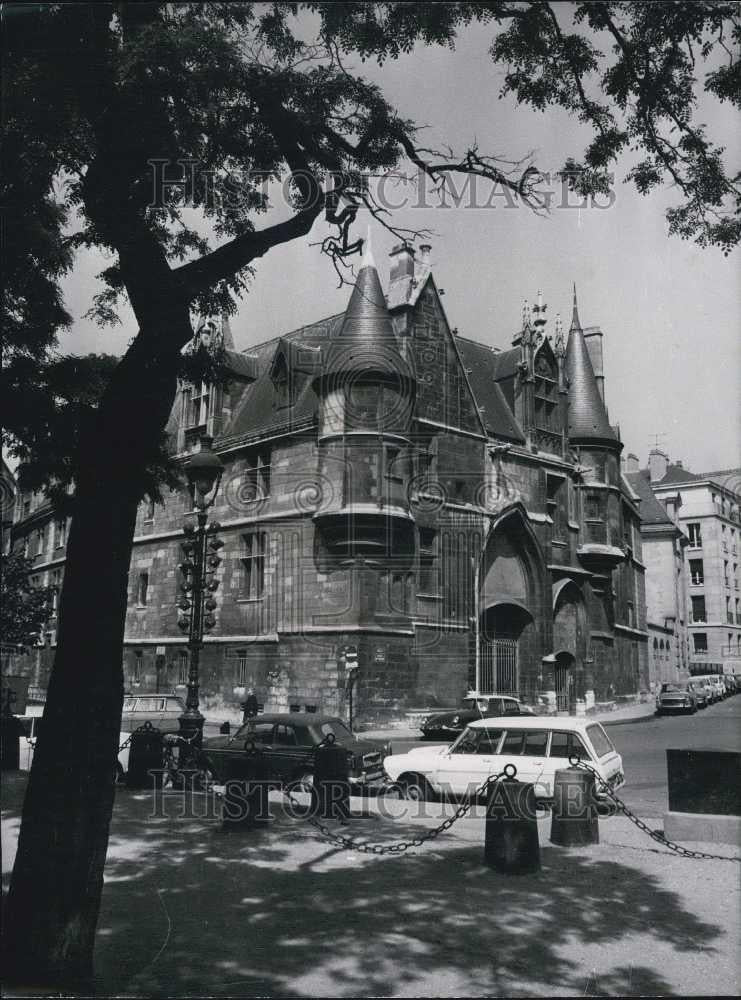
(52,908)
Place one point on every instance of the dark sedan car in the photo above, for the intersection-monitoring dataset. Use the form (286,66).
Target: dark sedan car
(289,742)
(675,698)
(447,725)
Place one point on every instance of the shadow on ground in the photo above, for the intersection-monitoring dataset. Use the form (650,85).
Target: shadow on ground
(189,909)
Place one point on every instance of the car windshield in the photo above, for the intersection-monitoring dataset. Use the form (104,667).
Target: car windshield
(479,741)
(338,729)
(670,687)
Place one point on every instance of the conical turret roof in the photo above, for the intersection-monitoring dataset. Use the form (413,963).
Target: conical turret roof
(588,419)
(365,341)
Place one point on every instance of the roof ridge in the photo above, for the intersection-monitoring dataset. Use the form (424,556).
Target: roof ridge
(289,333)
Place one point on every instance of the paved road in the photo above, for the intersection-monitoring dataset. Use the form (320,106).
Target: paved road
(643,747)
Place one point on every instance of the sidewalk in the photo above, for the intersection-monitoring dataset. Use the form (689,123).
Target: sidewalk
(191,910)
(618,717)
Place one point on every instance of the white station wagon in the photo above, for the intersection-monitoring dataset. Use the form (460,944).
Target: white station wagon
(537,746)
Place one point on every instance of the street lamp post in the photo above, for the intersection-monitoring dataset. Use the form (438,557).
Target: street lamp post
(197,604)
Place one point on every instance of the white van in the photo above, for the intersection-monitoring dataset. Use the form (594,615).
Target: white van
(537,746)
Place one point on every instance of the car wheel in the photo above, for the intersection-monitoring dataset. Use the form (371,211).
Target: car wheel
(415,788)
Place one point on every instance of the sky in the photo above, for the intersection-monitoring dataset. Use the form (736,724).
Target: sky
(670,311)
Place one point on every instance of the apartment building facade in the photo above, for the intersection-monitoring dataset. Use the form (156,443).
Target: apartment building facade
(707,506)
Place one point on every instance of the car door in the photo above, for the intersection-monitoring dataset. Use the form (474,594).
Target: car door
(526,749)
(563,746)
(229,758)
(286,754)
(466,765)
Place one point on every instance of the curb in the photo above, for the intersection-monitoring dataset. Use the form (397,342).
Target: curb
(631,721)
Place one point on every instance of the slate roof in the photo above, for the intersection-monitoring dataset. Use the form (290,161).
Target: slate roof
(652,511)
(481,363)
(729,478)
(256,414)
(675,475)
(242,365)
(587,414)
(366,340)
(505,363)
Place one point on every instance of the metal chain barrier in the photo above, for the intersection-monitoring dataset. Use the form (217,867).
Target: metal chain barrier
(404,845)
(659,838)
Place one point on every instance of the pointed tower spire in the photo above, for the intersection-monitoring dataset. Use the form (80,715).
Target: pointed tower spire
(587,414)
(575,324)
(365,341)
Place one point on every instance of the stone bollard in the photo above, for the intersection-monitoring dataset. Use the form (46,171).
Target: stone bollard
(574,821)
(246,801)
(146,753)
(330,797)
(511,842)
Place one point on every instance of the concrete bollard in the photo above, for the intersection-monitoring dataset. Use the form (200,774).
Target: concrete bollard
(331,792)
(246,802)
(511,842)
(574,820)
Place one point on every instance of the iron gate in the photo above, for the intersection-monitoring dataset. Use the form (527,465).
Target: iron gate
(499,666)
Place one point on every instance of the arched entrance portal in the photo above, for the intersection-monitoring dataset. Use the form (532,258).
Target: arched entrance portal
(502,626)
(509,604)
(565,682)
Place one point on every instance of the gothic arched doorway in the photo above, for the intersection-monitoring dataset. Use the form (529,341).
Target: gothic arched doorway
(510,601)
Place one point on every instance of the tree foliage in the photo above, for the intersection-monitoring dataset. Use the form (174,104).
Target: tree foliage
(164,132)
(24,608)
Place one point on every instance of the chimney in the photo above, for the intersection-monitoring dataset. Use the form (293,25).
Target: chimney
(658,462)
(402,261)
(631,463)
(424,252)
(678,464)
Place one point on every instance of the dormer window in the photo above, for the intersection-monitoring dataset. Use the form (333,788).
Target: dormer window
(197,399)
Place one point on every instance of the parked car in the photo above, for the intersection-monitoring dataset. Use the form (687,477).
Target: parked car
(538,747)
(162,710)
(676,698)
(713,684)
(30,729)
(701,691)
(448,725)
(289,743)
